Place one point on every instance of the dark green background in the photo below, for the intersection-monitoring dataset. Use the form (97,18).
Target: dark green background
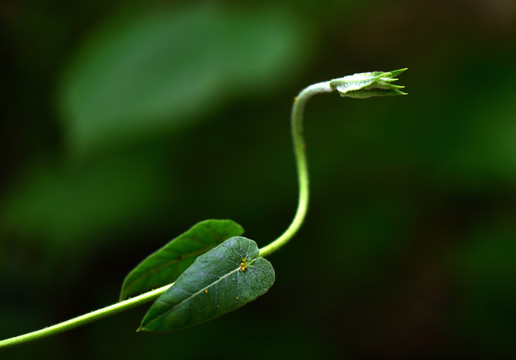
(409,247)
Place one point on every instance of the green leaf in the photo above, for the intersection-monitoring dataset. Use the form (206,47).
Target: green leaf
(222,280)
(165,265)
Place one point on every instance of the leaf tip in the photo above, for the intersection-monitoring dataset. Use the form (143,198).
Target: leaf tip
(140,329)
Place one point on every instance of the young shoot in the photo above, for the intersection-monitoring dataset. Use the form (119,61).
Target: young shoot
(211,269)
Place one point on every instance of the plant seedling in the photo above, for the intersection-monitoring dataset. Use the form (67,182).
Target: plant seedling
(211,269)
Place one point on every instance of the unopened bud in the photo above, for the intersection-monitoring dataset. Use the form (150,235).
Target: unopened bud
(369,84)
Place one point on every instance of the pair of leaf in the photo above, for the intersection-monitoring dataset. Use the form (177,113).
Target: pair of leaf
(220,280)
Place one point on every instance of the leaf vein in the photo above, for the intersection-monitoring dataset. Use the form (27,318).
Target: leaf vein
(158,268)
(193,295)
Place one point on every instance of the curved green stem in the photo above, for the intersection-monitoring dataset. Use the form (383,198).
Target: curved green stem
(361,85)
(86,318)
(302,166)
(299,150)
(358,86)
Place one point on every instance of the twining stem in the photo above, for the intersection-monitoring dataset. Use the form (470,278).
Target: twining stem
(361,85)
(302,167)
(86,318)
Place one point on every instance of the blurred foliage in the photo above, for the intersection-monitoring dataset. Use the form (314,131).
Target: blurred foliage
(54,200)
(146,73)
(124,123)
(486,273)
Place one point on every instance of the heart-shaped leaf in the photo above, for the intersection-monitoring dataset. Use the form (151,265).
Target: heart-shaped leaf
(222,280)
(165,265)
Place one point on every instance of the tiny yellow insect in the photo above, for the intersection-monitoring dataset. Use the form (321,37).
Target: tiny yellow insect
(243,266)
(205,291)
